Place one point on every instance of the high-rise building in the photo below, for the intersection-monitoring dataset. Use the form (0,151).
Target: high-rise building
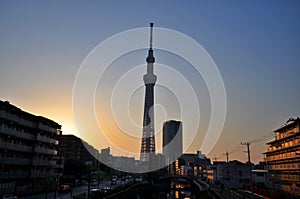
(28,151)
(148,139)
(283,158)
(172,143)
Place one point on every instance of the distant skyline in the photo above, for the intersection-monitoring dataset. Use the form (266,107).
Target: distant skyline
(256,46)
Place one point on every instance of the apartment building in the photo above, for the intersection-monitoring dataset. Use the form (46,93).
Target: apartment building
(283,158)
(28,151)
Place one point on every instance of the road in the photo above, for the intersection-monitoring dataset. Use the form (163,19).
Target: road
(50,195)
(75,191)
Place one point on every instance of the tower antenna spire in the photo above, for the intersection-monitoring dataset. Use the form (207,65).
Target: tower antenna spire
(151,33)
(150,58)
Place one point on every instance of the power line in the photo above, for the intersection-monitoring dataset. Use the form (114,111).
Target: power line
(238,147)
(262,138)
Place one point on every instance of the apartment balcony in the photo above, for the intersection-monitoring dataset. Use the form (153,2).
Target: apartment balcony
(40,174)
(38,162)
(48,129)
(295,143)
(290,133)
(291,178)
(27,123)
(282,157)
(282,177)
(15,147)
(58,166)
(16,133)
(285,167)
(45,151)
(15,161)
(46,139)
(14,174)
(17,119)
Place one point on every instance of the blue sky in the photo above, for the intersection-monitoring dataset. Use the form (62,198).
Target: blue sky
(256,46)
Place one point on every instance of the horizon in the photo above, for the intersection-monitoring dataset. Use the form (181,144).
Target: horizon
(212,159)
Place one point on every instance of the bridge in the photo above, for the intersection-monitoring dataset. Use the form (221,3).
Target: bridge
(164,186)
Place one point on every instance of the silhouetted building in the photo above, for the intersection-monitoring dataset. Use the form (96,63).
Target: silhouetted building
(259,175)
(74,148)
(172,144)
(28,151)
(232,174)
(217,170)
(121,163)
(106,157)
(105,151)
(199,163)
(148,139)
(283,158)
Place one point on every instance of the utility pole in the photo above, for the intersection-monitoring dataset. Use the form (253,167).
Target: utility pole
(249,162)
(216,167)
(248,150)
(227,154)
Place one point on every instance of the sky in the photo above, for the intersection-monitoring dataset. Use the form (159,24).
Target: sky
(255,45)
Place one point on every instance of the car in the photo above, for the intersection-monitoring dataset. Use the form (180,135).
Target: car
(64,188)
(114,181)
(95,193)
(9,196)
(106,189)
(94,183)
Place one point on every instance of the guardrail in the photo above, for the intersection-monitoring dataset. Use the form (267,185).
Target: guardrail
(121,193)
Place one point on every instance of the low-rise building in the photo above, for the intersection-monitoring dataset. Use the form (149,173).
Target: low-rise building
(217,171)
(232,174)
(259,175)
(200,164)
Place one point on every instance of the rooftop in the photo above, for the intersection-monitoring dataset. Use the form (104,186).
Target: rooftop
(289,123)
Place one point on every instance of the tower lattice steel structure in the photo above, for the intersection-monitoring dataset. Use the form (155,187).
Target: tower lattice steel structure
(148,139)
